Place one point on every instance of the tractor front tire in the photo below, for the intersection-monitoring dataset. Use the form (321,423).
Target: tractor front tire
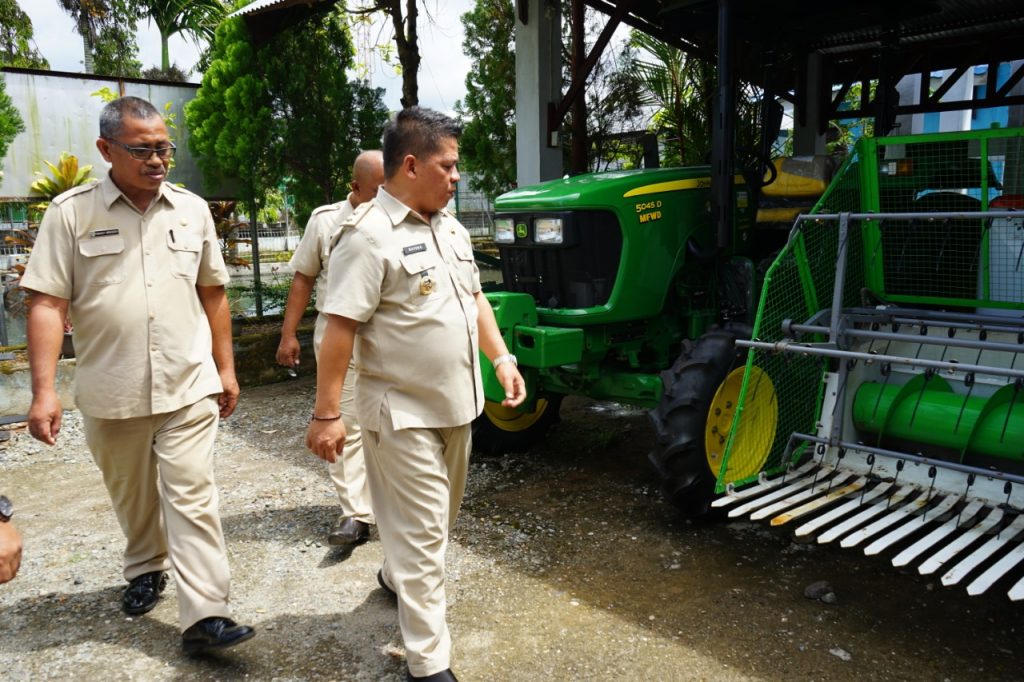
(681,420)
(500,429)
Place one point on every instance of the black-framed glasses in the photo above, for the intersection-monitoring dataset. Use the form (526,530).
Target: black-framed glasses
(143,153)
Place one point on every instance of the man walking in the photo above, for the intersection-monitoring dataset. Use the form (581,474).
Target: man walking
(135,262)
(310,265)
(404,282)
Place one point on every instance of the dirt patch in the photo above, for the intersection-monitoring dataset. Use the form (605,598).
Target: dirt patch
(565,565)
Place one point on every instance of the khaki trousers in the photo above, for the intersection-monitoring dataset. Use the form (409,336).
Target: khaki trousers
(348,471)
(418,477)
(159,473)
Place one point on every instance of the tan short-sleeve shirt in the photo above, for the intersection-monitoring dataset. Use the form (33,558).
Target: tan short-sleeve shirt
(142,340)
(412,285)
(314,250)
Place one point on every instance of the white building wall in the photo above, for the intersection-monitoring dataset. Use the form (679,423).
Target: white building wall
(61,114)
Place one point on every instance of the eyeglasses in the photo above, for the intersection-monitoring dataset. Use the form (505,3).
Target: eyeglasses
(143,153)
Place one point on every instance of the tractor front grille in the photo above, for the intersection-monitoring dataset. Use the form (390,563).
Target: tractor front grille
(578,273)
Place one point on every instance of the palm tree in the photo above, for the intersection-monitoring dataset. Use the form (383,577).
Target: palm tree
(680,89)
(196,18)
(89,17)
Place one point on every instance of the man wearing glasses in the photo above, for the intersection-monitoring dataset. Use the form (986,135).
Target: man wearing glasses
(135,262)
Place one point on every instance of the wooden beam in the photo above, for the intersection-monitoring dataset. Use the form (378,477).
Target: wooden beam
(579,80)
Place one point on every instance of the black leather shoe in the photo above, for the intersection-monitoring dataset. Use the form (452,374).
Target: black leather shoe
(349,532)
(443,676)
(143,592)
(384,585)
(214,633)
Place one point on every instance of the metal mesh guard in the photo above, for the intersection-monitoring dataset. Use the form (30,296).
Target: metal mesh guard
(950,262)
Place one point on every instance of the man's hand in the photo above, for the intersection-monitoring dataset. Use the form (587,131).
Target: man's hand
(229,396)
(288,351)
(512,381)
(10,551)
(44,416)
(325,439)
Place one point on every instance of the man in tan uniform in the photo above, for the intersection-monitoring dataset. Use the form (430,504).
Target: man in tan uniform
(135,262)
(310,265)
(403,280)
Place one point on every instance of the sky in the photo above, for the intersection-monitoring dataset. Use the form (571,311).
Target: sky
(442,74)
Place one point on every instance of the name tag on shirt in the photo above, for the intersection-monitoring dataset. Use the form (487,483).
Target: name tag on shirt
(104,233)
(415,248)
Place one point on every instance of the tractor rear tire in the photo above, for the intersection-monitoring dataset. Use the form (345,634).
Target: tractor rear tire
(499,429)
(680,420)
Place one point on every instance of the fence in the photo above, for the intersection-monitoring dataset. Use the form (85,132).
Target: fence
(926,231)
(475,212)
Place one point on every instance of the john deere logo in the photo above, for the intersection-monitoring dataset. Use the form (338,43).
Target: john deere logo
(521,230)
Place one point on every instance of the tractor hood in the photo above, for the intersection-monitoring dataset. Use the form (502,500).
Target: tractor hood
(593,190)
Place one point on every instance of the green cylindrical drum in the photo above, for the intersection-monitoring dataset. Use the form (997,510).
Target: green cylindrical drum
(929,412)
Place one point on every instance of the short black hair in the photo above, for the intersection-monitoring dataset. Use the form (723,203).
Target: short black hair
(416,131)
(113,115)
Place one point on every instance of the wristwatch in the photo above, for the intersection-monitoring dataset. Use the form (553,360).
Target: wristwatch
(502,359)
(6,509)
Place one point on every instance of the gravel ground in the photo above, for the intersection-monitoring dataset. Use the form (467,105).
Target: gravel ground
(566,565)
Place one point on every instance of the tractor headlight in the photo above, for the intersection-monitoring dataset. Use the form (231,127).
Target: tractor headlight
(504,231)
(547,231)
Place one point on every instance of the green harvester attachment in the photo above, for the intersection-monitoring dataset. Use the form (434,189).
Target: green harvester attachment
(882,403)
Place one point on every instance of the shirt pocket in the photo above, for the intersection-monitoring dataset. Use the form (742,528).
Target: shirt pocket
(422,275)
(185,249)
(465,264)
(102,260)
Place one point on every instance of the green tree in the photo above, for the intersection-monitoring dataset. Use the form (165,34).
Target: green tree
(115,51)
(680,90)
(287,110)
(616,119)
(320,119)
(488,144)
(195,19)
(229,120)
(10,121)
(90,17)
(175,74)
(16,45)
(406,35)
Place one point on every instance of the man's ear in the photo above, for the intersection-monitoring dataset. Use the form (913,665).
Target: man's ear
(104,148)
(409,166)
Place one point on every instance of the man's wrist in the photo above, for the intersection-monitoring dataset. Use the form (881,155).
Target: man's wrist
(502,359)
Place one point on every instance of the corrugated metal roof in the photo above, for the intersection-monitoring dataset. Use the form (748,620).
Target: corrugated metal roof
(940,33)
(261,6)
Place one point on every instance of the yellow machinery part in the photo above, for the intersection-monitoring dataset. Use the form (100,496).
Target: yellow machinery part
(751,443)
(511,419)
(799,177)
(780,214)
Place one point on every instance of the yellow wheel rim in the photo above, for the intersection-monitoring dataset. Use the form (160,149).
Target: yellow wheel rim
(511,419)
(756,433)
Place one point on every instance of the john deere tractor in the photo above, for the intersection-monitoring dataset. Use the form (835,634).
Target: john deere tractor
(614,290)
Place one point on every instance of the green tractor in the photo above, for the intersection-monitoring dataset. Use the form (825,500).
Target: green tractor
(864,374)
(613,290)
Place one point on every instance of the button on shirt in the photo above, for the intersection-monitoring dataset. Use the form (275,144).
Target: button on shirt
(314,249)
(142,340)
(411,283)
